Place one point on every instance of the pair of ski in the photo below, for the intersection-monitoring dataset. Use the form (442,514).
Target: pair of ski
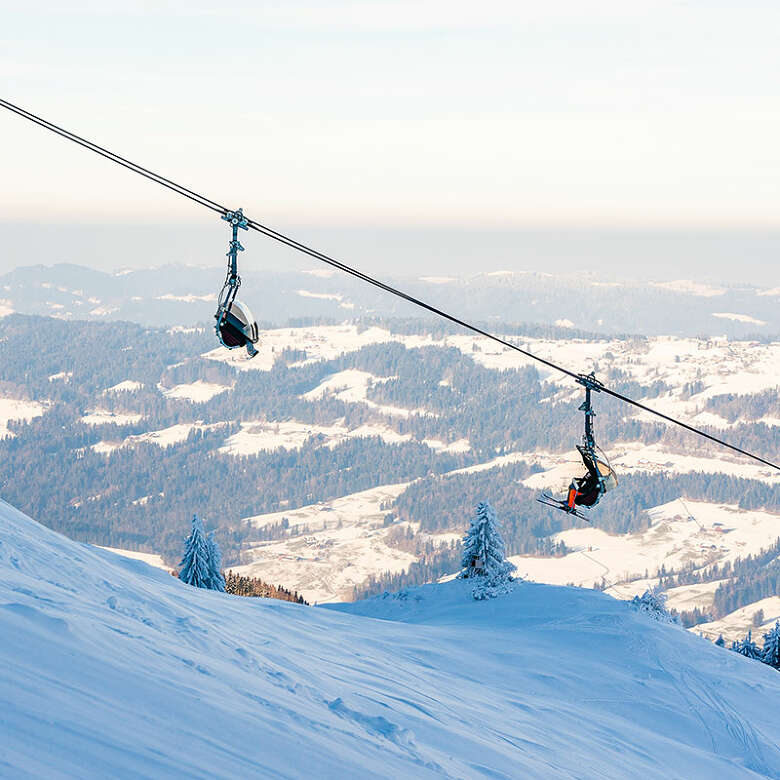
(549,500)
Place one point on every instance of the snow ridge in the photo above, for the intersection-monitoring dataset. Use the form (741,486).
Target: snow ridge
(109,667)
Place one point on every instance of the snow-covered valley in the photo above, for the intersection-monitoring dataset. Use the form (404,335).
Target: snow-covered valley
(113,668)
(681,532)
(332,546)
(318,459)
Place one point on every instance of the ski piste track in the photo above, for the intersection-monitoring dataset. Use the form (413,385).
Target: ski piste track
(251,224)
(110,668)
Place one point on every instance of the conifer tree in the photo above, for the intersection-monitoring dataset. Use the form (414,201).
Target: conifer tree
(771,652)
(216,578)
(483,548)
(747,647)
(720,641)
(194,567)
(484,557)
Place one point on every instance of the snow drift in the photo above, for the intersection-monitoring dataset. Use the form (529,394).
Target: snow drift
(109,667)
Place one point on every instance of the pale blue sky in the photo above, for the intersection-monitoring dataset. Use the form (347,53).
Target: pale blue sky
(607,114)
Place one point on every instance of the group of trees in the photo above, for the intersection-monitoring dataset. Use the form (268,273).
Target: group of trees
(744,581)
(653,603)
(768,654)
(753,406)
(240,585)
(201,567)
(755,580)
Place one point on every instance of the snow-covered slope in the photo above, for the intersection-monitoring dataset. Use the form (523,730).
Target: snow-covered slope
(109,667)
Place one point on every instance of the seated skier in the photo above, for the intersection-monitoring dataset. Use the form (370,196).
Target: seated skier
(587,490)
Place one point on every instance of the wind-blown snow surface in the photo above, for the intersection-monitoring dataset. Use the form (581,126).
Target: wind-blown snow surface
(110,668)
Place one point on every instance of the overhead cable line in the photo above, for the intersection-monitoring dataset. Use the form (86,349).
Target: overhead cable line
(109,155)
(322,257)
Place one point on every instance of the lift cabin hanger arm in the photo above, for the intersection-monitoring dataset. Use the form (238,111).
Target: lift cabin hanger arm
(236,327)
(591,384)
(237,220)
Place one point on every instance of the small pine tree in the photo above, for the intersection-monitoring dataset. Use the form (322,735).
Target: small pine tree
(771,652)
(194,567)
(747,647)
(216,577)
(720,641)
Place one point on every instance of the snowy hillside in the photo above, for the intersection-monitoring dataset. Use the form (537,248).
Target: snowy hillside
(109,667)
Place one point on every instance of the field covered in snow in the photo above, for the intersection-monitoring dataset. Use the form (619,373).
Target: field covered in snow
(681,532)
(264,436)
(197,392)
(107,417)
(150,558)
(111,668)
(333,546)
(165,437)
(736,624)
(17,409)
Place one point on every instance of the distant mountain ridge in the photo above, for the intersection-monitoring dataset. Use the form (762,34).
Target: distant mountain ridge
(186,295)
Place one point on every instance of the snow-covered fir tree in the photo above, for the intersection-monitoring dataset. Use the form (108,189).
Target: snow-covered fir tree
(771,652)
(653,603)
(484,554)
(747,647)
(216,577)
(194,568)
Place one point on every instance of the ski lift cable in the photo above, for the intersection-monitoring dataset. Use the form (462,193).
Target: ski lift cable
(322,257)
(109,155)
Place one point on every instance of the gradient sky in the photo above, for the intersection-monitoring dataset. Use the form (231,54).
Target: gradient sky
(609,114)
